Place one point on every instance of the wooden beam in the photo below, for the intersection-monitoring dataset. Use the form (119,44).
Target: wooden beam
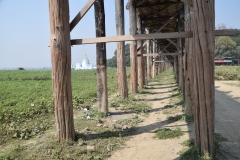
(166,23)
(160,54)
(159,30)
(175,44)
(164,61)
(121,60)
(188,2)
(102,91)
(132,37)
(226,32)
(171,35)
(81,14)
(154,4)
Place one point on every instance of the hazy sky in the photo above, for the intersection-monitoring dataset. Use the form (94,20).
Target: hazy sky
(24,30)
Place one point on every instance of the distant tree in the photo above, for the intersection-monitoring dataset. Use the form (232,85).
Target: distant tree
(221,26)
(236,38)
(225,47)
(112,62)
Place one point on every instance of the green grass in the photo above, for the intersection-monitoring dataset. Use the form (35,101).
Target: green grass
(130,104)
(166,133)
(191,152)
(26,99)
(182,117)
(227,73)
(103,139)
(130,121)
(165,78)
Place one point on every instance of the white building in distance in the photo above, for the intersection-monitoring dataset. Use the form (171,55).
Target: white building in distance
(85,64)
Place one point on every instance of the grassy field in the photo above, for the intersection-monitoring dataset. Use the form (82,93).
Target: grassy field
(26,101)
(27,117)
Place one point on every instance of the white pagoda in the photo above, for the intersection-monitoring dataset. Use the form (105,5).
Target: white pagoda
(85,64)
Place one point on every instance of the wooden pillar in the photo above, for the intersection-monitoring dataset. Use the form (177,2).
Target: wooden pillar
(121,60)
(181,44)
(133,48)
(148,59)
(175,64)
(102,92)
(61,68)
(204,46)
(154,59)
(140,61)
(188,67)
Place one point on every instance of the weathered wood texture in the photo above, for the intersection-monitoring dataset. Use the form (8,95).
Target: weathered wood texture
(181,45)
(121,60)
(160,54)
(61,68)
(131,37)
(140,61)
(81,14)
(204,45)
(168,36)
(148,60)
(188,2)
(188,65)
(101,60)
(133,49)
(154,58)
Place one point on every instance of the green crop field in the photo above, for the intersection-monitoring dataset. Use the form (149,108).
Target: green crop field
(26,100)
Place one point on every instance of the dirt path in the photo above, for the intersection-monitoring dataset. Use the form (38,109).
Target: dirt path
(142,146)
(227,117)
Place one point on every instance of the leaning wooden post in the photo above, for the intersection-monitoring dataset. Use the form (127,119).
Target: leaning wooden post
(61,68)
(121,60)
(140,54)
(133,48)
(102,92)
(204,46)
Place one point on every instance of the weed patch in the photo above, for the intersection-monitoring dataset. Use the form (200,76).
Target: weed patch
(166,133)
(130,104)
(193,153)
(183,117)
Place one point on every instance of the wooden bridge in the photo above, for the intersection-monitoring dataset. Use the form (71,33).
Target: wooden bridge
(163,34)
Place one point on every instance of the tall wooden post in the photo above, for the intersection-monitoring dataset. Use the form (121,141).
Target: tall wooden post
(121,60)
(204,46)
(181,44)
(148,59)
(102,92)
(133,48)
(61,68)
(189,56)
(153,64)
(140,61)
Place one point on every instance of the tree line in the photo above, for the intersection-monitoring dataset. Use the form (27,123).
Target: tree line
(112,62)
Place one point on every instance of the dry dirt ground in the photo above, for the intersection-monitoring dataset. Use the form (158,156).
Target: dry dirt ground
(227,117)
(142,146)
